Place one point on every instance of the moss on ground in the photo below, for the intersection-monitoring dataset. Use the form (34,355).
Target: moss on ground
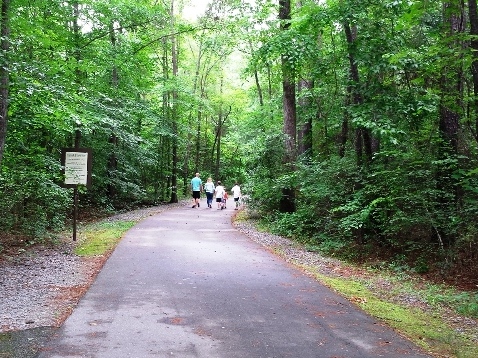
(101,238)
(426,329)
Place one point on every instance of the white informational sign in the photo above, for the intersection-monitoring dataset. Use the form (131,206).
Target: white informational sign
(76,168)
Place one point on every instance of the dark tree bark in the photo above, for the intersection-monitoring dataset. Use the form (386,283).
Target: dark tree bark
(287,203)
(304,137)
(113,140)
(473,16)
(217,139)
(363,137)
(114,71)
(216,148)
(174,115)
(344,133)
(451,103)
(256,78)
(4,75)
(452,80)
(198,141)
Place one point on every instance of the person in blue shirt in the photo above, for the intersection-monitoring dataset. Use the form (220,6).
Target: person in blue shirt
(196,188)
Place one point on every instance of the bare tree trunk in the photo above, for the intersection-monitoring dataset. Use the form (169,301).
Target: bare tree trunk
(4,75)
(304,137)
(114,71)
(452,80)
(198,142)
(473,16)
(113,140)
(217,140)
(174,114)
(256,78)
(344,133)
(363,137)
(189,141)
(451,103)
(219,136)
(287,203)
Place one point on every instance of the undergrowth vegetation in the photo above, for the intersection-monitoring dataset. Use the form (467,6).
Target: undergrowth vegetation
(385,214)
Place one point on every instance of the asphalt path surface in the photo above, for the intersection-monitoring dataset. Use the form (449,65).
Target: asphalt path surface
(185,283)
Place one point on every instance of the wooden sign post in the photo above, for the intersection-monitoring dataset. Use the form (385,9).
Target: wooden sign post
(76,164)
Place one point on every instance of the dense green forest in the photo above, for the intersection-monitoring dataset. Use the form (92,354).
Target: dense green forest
(352,125)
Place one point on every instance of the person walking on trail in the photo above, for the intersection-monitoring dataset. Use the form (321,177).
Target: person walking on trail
(196,187)
(224,198)
(209,189)
(236,194)
(219,191)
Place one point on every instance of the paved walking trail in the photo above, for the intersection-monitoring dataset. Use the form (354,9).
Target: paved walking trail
(185,283)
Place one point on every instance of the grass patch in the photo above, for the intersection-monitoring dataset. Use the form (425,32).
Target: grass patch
(100,238)
(426,329)
(464,303)
(241,215)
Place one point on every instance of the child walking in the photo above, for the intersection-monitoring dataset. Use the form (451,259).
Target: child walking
(236,194)
(219,191)
(224,198)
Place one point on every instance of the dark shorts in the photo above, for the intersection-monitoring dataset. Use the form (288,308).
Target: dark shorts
(218,200)
(236,199)
(196,195)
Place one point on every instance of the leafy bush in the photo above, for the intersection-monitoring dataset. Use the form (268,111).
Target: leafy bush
(32,203)
(393,207)
(264,168)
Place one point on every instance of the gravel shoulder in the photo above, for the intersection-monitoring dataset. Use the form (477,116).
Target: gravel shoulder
(41,286)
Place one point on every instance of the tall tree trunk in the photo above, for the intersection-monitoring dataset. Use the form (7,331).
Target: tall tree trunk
(220,122)
(452,80)
(77,37)
(473,16)
(189,141)
(174,114)
(256,78)
(4,75)
(451,103)
(344,133)
(217,140)
(198,142)
(363,137)
(114,71)
(217,171)
(304,135)
(113,140)
(287,203)
(304,138)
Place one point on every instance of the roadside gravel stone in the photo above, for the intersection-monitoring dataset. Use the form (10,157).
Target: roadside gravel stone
(290,251)
(30,285)
(41,286)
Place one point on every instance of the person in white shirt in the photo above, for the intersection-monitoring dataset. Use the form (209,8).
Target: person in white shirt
(236,194)
(209,189)
(219,191)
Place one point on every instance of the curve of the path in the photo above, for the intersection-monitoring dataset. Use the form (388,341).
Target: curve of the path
(185,283)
